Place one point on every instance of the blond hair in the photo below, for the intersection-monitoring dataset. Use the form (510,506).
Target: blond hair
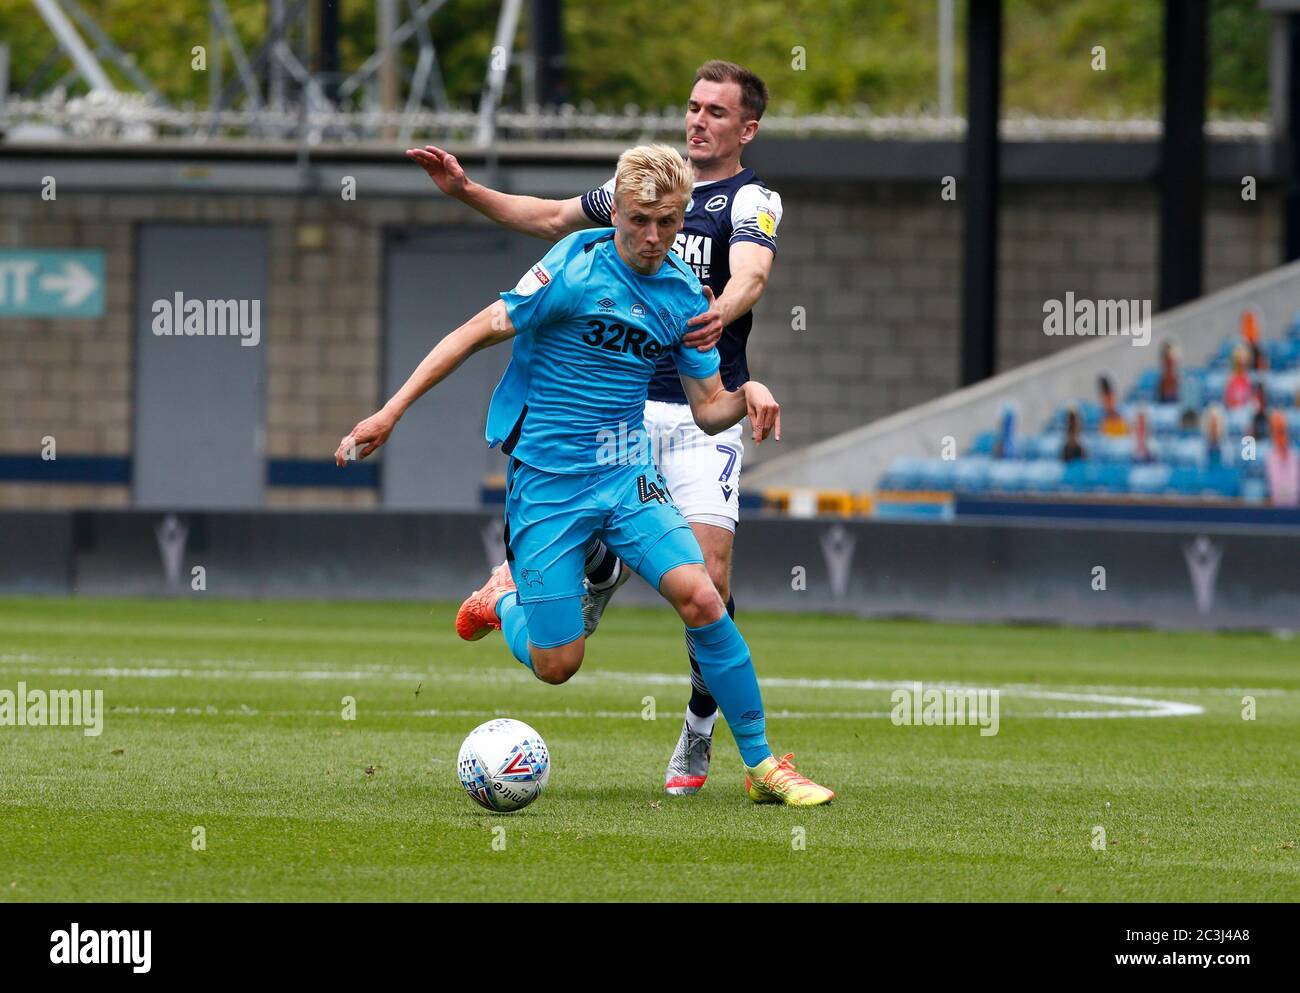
(649,173)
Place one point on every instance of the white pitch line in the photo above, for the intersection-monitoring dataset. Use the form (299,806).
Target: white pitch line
(227,668)
(1140,706)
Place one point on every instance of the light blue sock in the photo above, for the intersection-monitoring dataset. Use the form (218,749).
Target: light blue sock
(728,670)
(514,625)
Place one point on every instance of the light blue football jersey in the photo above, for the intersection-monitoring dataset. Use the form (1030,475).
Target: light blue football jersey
(590,331)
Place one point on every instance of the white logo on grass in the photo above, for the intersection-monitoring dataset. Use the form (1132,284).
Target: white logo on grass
(917,707)
(53,708)
(210,318)
(1084,316)
(77,947)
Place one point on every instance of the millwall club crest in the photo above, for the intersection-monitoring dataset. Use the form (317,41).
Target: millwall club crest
(1203,559)
(171,534)
(494,541)
(837,549)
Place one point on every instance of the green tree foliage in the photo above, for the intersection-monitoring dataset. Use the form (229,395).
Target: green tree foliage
(879,53)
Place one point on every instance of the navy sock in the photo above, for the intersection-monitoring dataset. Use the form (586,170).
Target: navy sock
(600,562)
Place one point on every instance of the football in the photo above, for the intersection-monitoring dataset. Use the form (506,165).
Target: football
(504,765)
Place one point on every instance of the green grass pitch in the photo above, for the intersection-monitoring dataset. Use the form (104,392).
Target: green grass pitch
(228,716)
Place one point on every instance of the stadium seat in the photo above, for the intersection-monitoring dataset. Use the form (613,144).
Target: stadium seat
(1222,481)
(1148,479)
(1045,446)
(1145,388)
(1184,452)
(1254,489)
(1007,476)
(1163,418)
(904,474)
(970,474)
(1108,449)
(1044,475)
(936,474)
(984,442)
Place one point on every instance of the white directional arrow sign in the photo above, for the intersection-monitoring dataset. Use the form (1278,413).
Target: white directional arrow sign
(75,284)
(52,283)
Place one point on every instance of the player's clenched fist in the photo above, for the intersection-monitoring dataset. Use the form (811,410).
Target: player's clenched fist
(706,326)
(763,411)
(365,437)
(442,168)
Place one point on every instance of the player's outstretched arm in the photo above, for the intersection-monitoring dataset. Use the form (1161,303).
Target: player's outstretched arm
(716,409)
(751,264)
(488,327)
(549,219)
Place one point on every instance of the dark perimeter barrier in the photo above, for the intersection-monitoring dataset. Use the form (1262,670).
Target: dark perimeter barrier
(1163,575)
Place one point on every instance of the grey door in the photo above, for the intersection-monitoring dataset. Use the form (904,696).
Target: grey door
(434,280)
(199,398)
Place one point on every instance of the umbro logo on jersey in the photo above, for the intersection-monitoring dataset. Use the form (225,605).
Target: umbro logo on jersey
(715,204)
(605,303)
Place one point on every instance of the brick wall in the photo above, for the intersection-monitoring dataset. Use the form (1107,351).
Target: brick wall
(876,269)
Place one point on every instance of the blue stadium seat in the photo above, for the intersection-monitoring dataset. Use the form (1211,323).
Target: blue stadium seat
(1007,476)
(971,474)
(1223,357)
(1148,479)
(1280,387)
(1109,449)
(1047,445)
(1163,418)
(1254,489)
(936,474)
(1185,480)
(1237,421)
(1145,388)
(984,442)
(1106,477)
(1075,478)
(904,474)
(1044,475)
(1184,452)
(1089,415)
(1222,481)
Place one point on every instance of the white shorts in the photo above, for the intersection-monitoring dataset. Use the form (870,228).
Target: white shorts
(702,471)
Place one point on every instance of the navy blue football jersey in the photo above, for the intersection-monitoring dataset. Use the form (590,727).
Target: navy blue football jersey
(720,213)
